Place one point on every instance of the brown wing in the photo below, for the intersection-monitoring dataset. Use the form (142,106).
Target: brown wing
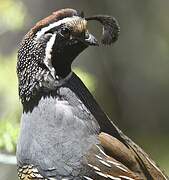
(147,164)
(132,159)
(112,160)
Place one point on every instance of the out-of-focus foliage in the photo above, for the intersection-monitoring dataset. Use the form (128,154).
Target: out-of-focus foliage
(8,83)
(8,134)
(12,15)
(9,106)
(88,79)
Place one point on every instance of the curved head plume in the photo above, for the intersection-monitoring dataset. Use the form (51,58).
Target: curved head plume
(111,28)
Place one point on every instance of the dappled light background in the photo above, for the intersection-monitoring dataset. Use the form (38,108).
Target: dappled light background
(130,80)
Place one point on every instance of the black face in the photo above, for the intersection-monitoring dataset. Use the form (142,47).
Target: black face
(64,53)
(68,45)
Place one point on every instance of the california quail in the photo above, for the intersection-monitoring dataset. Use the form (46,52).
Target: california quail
(64,134)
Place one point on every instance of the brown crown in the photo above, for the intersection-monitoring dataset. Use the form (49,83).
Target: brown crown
(57,15)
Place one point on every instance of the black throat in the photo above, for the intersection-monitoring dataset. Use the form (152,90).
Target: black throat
(63,55)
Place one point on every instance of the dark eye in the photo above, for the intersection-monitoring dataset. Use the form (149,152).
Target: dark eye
(65,32)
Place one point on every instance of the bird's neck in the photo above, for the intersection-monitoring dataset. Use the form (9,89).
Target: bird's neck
(73,82)
(76,85)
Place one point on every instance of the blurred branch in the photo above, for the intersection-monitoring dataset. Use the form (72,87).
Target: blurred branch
(7,159)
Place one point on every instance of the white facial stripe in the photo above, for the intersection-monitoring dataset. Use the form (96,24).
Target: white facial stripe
(48,51)
(55,24)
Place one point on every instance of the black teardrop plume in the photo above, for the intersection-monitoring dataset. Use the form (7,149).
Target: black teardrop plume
(111,28)
(80,13)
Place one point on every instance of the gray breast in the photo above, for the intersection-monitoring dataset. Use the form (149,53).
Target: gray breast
(57,134)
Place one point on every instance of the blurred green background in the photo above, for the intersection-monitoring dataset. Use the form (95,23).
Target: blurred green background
(130,80)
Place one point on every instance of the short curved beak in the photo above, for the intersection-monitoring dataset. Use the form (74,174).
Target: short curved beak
(90,40)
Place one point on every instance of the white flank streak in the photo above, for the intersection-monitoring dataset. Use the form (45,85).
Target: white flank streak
(48,51)
(125,170)
(102,151)
(114,178)
(99,157)
(112,162)
(88,178)
(117,165)
(125,177)
(94,167)
(55,24)
(101,174)
(106,164)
